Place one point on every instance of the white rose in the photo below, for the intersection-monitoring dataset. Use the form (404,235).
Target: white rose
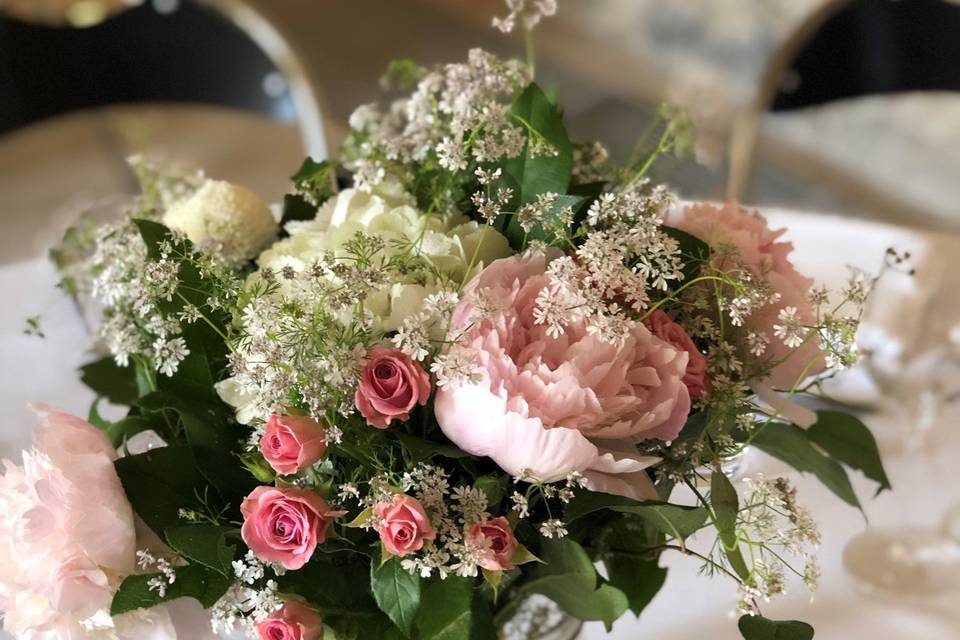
(226,218)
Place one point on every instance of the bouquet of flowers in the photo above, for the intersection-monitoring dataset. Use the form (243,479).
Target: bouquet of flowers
(473,363)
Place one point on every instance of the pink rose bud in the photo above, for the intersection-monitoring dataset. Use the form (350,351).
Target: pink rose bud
(292,443)
(293,622)
(390,387)
(496,543)
(696,379)
(403,525)
(285,525)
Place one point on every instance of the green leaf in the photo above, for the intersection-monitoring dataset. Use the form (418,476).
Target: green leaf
(640,580)
(726,506)
(849,441)
(316,179)
(569,578)
(329,583)
(760,628)
(423,450)
(672,519)
(447,609)
(296,207)
(116,384)
(193,581)
(694,251)
(153,233)
(789,443)
(159,483)
(544,229)
(397,592)
(205,544)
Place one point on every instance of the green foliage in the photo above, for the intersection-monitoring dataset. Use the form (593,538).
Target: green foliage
(108,380)
(193,581)
(726,506)
(672,519)
(790,444)
(446,612)
(397,592)
(203,543)
(849,441)
(569,578)
(760,628)
(315,183)
(640,580)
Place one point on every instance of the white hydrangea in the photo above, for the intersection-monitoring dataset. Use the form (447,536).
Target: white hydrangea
(224,218)
(450,242)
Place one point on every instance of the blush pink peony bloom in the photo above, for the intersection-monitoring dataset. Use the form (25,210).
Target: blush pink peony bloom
(496,542)
(403,525)
(293,622)
(545,407)
(66,530)
(292,443)
(696,377)
(390,387)
(767,257)
(285,525)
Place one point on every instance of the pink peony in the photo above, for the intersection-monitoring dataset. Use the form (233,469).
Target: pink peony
(390,387)
(496,543)
(292,443)
(403,525)
(696,377)
(545,407)
(285,525)
(760,251)
(293,622)
(66,533)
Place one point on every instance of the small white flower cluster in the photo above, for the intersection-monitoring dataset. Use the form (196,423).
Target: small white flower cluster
(776,526)
(252,598)
(528,12)
(563,492)
(457,115)
(147,561)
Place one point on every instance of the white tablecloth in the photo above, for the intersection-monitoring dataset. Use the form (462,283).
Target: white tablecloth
(690,606)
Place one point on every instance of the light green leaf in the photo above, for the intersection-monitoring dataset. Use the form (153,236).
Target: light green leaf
(789,443)
(397,592)
(849,441)
(760,628)
(726,505)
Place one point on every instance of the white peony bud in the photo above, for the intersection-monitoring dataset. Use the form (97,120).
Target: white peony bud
(224,218)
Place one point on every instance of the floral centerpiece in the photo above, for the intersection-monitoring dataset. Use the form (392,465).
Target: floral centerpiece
(489,366)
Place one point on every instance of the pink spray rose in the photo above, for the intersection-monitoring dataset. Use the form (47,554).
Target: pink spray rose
(696,377)
(545,406)
(496,541)
(285,525)
(66,530)
(292,443)
(293,622)
(390,387)
(403,525)
(760,251)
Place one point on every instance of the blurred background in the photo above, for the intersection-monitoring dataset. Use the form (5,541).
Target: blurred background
(837,118)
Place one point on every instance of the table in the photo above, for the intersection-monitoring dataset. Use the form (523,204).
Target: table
(44,173)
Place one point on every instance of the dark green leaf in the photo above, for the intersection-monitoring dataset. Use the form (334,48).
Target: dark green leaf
(423,450)
(153,233)
(116,384)
(296,207)
(760,628)
(193,581)
(397,592)
(789,443)
(849,441)
(569,578)
(694,251)
(331,584)
(159,483)
(640,580)
(446,612)
(203,543)
(545,228)
(726,505)
(672,519)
